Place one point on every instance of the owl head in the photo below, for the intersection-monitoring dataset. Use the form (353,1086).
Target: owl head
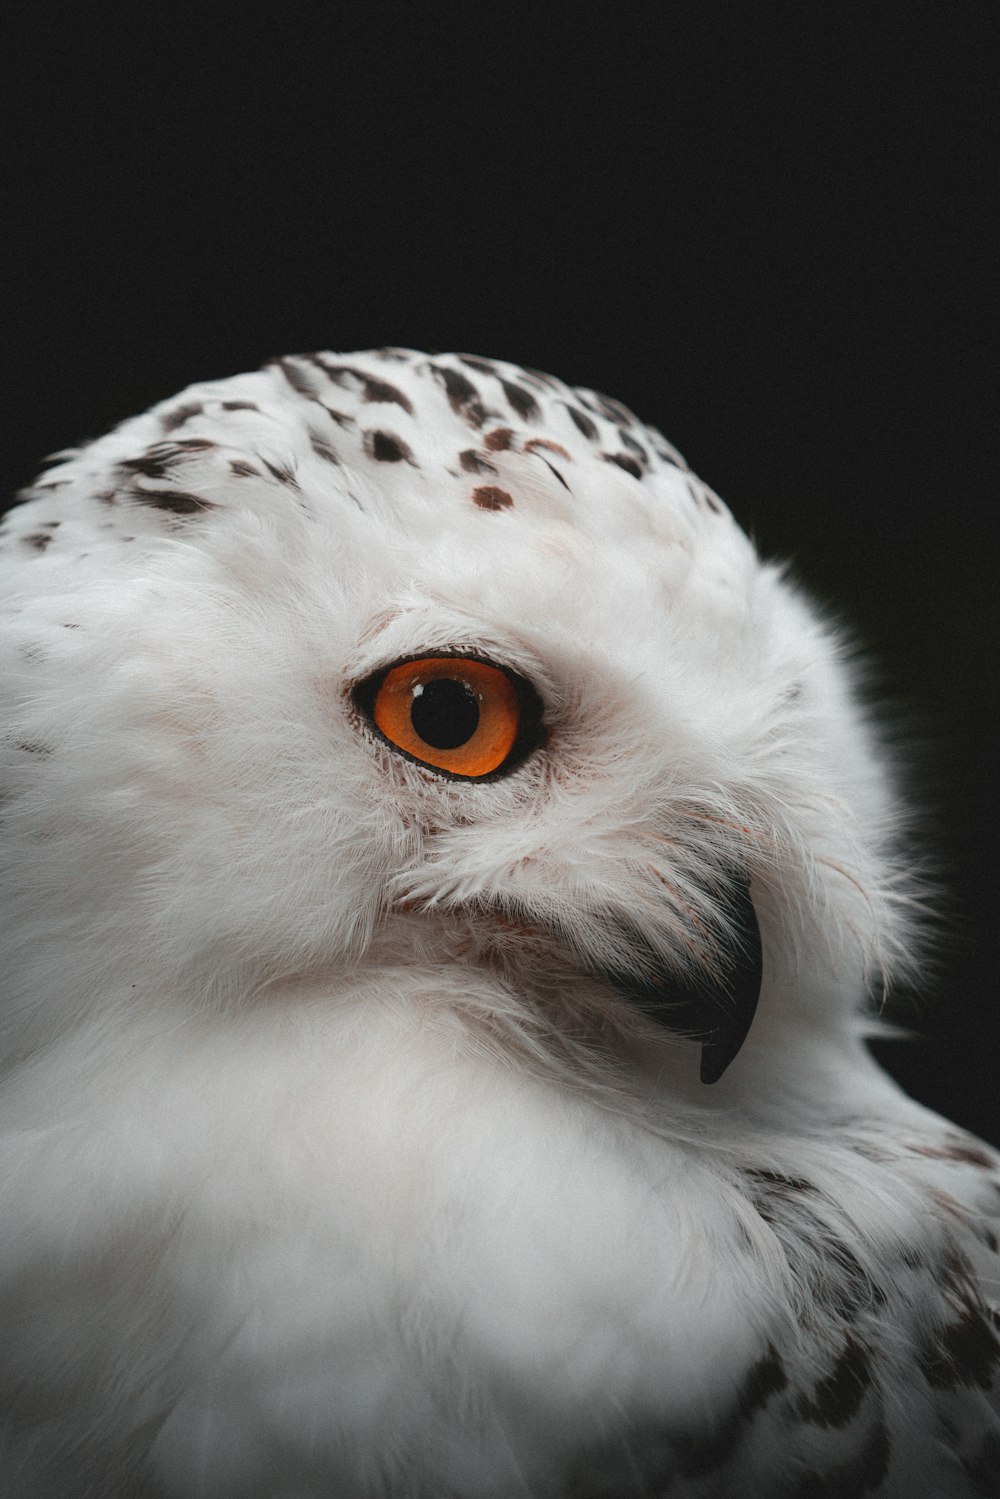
(385,663)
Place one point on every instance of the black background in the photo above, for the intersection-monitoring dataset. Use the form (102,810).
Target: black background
(767,228)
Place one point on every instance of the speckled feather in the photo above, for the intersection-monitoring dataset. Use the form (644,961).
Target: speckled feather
(337,1157)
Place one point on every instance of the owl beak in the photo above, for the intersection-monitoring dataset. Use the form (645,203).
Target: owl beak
(737,1005)
(720,1012)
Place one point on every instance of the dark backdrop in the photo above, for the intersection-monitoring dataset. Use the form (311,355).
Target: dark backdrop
(768,228)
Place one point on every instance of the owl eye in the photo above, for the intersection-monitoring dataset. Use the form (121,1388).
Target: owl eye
(458,714)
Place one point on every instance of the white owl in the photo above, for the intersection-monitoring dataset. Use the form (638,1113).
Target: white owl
(444,876)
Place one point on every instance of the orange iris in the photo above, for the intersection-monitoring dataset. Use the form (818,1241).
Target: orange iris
(451,712)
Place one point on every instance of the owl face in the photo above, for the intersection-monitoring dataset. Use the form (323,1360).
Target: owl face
(384,661)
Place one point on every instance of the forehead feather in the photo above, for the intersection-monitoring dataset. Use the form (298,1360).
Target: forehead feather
(427,454)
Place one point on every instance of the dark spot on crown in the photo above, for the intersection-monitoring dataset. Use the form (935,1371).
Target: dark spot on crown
(624,461)
(303,383)
(582,422)
(323,450)
(702,495)
(282,473)
(541,377)
(158,459)
(555,472)
(180,414)
(958,1151)
(489,497)
(243,470)
(384,447)
(522,401)
(549,445)
(371,389)
(37,539)
(837,1398)
(605,406)
(340,417)
(463,397)
(778,1180)
(240,406)
(176,501)
(483,366)
(475,463)
(635,447)
(382,391)
(499,439)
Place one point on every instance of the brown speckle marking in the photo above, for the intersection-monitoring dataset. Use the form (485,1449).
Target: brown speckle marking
(554,472)
(176,501)
(282,473)
(549,445)
(158,459)
(582,422)
(340,417)
(499,439)
(301,382)
(607,407)
(240,406)
(483,366)
(173,419)
(635,447)
(463,397)
(624,461)
(541,377)
(779,1181)
(704,496)
(385,447)
(240,469)
(521,400)
(489,497)
(37,539)
(323,450)
(371,389)
(474,463)
(958,1151)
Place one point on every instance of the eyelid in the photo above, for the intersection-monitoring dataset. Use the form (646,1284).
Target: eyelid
(491,752)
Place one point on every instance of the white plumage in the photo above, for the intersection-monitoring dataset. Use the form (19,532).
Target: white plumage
(354,1139)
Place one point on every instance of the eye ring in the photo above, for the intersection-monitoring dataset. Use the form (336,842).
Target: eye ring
(461,715)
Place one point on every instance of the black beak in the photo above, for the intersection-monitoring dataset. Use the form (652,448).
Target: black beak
(717,1013)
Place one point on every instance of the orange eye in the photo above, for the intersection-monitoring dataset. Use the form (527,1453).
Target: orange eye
(458,714)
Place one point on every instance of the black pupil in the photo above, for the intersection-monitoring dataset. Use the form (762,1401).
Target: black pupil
(445,713)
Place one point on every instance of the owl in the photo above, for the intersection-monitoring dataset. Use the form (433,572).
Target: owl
(448,881)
